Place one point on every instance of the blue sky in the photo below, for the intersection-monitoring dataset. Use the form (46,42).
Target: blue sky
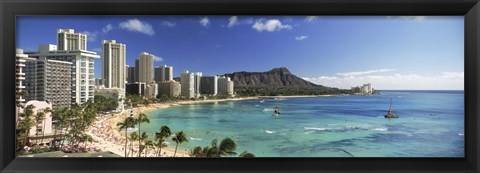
(391,52)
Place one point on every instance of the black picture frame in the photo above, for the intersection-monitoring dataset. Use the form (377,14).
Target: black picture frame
(9,9)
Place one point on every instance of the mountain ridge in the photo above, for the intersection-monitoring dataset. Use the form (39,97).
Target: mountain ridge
(276,77)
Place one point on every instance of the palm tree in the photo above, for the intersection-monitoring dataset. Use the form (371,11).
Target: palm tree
(142,118)
(246,154)
(227,147)
(21,94)
(57,121)
(197,152)
(40,116)
(26,122)
(133,137)
(45,112)
(141,147)
(160,144)
(160,137)
(148,144)
(179,138)
(127,123)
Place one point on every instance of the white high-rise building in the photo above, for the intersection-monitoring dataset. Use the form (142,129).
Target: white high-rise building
(49,80)
(163,73)
(113,64)
(82,72)
(225,85)
(67,39)
(144,68)
(197,84)
(187,83)
(19,74)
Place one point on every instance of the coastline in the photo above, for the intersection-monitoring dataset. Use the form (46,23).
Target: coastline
(108,138)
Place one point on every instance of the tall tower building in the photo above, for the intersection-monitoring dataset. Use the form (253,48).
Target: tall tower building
(209,85)
(131,75)
(187,83)
(197,84)
(144,68)
(225,85)
(49,80)
(163,73)
(113,64)
(82,69)
(19,73)
(67,39)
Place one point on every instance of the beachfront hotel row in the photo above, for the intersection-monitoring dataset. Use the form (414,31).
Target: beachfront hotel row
(63,75)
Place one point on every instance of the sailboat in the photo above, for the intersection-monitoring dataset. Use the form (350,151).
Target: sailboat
(390,112)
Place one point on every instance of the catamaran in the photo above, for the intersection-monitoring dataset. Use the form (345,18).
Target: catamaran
(390,112)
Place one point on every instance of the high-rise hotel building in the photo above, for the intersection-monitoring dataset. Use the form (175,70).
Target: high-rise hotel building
(73,49)
(49,80)
(225,85)
(144,68)
(67,39)
(19,74)
(209,85)
(197,84)
(131,75)
(187,83)
(113,64)
(163,73)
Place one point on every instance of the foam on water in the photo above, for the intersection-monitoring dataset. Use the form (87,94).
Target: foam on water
(196,139)
(270,132)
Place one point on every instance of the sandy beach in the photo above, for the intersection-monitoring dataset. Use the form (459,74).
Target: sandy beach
(107,137)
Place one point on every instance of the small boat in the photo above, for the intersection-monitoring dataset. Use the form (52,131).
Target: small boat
(262,101)
(390,112)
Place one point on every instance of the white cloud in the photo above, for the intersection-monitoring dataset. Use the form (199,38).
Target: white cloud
(359,73)
(137,26)
(107,28)
(270,25)
(168,24)
(311,18)
(232,21)
(300,38)
(408,81)
(157,58)
(91,35)
(204,21)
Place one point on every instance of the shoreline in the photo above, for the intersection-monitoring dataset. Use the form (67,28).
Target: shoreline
(108,138)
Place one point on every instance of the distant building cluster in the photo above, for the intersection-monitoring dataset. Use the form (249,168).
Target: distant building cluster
(62,75)
(364,89)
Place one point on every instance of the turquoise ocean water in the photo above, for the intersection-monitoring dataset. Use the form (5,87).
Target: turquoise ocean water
(431,124)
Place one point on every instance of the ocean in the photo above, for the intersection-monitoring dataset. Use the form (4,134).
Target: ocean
(431,124)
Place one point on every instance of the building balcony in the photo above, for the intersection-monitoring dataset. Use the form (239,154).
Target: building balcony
(20,87)
(20,65)
(20,78)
